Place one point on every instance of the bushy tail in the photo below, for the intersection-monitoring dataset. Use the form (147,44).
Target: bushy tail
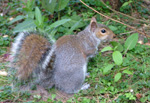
(28,51)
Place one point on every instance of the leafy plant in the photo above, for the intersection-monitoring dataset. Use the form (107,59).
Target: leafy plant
(31,24)
(117,56)
(130,96)
(131,42)
(128,5)
(125,5)
(35,20)
(54,5)
(105,74)
(4,42)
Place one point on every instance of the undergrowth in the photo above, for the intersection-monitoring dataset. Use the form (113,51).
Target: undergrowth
(126,82)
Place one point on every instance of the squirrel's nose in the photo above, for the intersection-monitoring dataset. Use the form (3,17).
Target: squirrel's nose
(113,35)
(110,37)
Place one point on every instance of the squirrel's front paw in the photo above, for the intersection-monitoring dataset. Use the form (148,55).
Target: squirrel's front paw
(85,86)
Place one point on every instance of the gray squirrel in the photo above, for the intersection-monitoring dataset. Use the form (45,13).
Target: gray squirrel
(62,64)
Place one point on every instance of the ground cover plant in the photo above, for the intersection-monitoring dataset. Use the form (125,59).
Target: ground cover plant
(120,72)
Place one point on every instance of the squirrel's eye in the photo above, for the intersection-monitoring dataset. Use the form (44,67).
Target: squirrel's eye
(103,31)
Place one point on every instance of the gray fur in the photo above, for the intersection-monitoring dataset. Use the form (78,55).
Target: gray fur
(70,64)
(68,74)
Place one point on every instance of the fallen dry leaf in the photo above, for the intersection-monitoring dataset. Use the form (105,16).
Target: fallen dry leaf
(139,96)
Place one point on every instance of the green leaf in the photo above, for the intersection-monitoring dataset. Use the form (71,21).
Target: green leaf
(117,57)
(20,17)
(38,15)
(27,24)
(30,4)
(126,3)
(106,49)
(73,27)
(57,23)
(131,41)
(53,96)
(1,42)
(107,68)
(113,28)
(6,43)
(62,4)
(49,5)
(117,77)
(74,19)
(127,72)
(143,99)
(52,33)
(31,14)
(117,46)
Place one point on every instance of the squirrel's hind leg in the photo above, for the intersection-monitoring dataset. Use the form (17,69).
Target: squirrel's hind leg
(70,81)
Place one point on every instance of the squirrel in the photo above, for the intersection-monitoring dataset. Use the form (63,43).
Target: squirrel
(62,64)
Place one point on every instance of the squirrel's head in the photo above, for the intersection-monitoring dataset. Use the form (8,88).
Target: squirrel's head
(101,31)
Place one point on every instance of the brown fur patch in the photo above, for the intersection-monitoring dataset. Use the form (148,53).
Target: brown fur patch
(33,47)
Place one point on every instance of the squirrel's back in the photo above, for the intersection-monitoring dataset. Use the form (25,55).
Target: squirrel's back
(27,52)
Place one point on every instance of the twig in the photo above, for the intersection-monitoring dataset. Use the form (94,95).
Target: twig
(146,21)
(127,33)
(5,12)
(115,20)
(143,31)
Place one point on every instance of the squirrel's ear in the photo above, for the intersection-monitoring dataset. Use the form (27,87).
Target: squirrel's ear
(93,24)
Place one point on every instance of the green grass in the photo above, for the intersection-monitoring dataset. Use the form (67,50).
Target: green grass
(137,62)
